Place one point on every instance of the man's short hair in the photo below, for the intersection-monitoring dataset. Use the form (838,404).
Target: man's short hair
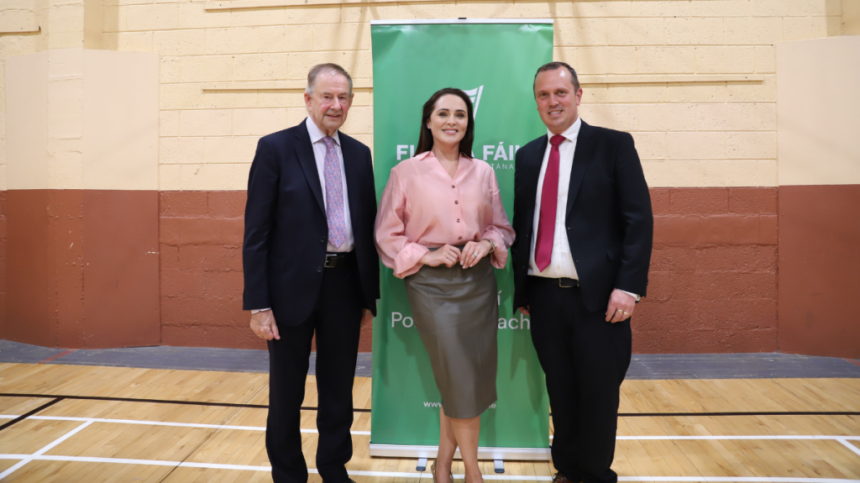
(319,69)
(555,66)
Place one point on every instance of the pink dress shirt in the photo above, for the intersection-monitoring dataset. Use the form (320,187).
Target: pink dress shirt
(422,208)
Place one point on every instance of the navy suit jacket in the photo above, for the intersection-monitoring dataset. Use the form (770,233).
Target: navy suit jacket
(286,231)
(609,222)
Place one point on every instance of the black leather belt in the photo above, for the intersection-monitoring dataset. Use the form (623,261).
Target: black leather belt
(334,260)
(568,282)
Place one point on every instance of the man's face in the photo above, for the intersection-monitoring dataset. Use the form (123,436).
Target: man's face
(557,99)
(330,102)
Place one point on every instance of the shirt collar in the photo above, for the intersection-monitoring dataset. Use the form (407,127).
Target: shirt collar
(570,133)
(317,134)
(427,154)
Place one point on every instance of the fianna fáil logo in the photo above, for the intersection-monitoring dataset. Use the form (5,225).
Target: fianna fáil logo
(475,97)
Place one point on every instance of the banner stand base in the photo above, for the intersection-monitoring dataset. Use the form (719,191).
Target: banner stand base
(484,453)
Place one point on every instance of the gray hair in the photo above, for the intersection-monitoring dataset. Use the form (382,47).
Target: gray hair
(574,79)
(319,69)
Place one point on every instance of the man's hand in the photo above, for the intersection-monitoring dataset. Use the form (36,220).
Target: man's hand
(264,326)
(447,255)
(366,317)
(620,306)
(525,310)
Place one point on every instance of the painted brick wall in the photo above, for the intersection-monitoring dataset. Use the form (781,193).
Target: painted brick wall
(2,264)
(200,237)
(713,280)
(709,150)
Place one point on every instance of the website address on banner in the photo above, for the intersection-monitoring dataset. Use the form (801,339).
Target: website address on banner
(430,404)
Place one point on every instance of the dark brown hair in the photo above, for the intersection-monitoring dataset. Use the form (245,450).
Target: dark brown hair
(554,66)
(425,140)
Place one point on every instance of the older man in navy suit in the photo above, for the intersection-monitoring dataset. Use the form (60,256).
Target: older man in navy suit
(311,267)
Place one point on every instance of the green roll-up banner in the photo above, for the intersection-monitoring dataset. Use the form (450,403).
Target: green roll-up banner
(494,61)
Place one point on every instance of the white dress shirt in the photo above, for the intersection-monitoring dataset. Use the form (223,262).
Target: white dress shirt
(561,265)
(319,155)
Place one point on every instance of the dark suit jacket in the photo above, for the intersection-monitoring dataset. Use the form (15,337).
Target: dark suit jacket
(286,230)
(609,222)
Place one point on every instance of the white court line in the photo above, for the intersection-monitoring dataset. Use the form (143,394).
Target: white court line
(164,423)
(848,445)
(393,474)
(44,450)
(367,433)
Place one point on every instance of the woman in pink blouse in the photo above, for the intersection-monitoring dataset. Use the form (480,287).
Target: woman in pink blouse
(442,228)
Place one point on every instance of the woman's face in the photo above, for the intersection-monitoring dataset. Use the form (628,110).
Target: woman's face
(449,120)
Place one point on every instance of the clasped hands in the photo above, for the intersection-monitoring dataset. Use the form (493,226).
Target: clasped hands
(448,255)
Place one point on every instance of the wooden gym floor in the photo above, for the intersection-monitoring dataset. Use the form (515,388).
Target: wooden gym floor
(114,424)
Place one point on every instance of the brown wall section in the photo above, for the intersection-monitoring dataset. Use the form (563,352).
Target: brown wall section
(713,280)
(54,298)
(81,270)
(120,254)
(2,264)
(201,270)
(819,274)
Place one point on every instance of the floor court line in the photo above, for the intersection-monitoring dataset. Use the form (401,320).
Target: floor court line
(848,445)
(367,433)
(44,450)
(417,475)
(366,410)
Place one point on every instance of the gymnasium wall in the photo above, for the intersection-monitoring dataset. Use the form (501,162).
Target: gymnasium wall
(694,81)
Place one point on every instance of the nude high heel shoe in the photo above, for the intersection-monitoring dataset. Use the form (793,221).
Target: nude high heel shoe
(433,472)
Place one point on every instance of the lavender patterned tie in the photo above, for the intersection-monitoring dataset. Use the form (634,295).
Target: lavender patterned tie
(333,195)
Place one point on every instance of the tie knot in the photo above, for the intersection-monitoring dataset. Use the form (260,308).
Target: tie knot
(328,141)
(556,140)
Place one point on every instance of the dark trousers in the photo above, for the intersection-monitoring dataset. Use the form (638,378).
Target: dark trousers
(336,320)
(585,360)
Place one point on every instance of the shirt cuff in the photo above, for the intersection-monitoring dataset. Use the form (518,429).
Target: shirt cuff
(254,311)
(635,296)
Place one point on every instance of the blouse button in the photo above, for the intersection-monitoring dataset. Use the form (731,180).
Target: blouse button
(458,220)
(456,202)
(453,186)
(459,238)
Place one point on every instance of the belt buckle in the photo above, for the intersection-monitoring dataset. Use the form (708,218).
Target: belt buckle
(562,281)
(330,261)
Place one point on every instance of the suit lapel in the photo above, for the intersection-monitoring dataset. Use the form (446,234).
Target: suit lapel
(581,158)
(532,172)
(305,153)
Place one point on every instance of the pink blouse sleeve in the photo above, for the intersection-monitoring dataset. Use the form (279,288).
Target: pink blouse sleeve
(499,230)
(395,250)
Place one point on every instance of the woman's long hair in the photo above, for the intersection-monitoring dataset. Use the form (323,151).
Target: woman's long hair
(425,140)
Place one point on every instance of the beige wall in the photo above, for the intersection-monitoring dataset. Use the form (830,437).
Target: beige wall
(689,133)
(819,111)
(82,119)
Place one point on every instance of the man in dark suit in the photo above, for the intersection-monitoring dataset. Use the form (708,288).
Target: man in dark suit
(582,213)
(311,267)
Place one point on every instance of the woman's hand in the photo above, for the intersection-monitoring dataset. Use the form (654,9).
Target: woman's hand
(446,255)
(473,252)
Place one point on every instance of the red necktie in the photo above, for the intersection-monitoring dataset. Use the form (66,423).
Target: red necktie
(548,207)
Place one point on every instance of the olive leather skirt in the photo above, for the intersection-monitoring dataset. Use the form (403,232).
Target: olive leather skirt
(456,312)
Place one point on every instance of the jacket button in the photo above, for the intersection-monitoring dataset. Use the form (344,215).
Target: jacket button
(322,240)
(456,202)
(319,269)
